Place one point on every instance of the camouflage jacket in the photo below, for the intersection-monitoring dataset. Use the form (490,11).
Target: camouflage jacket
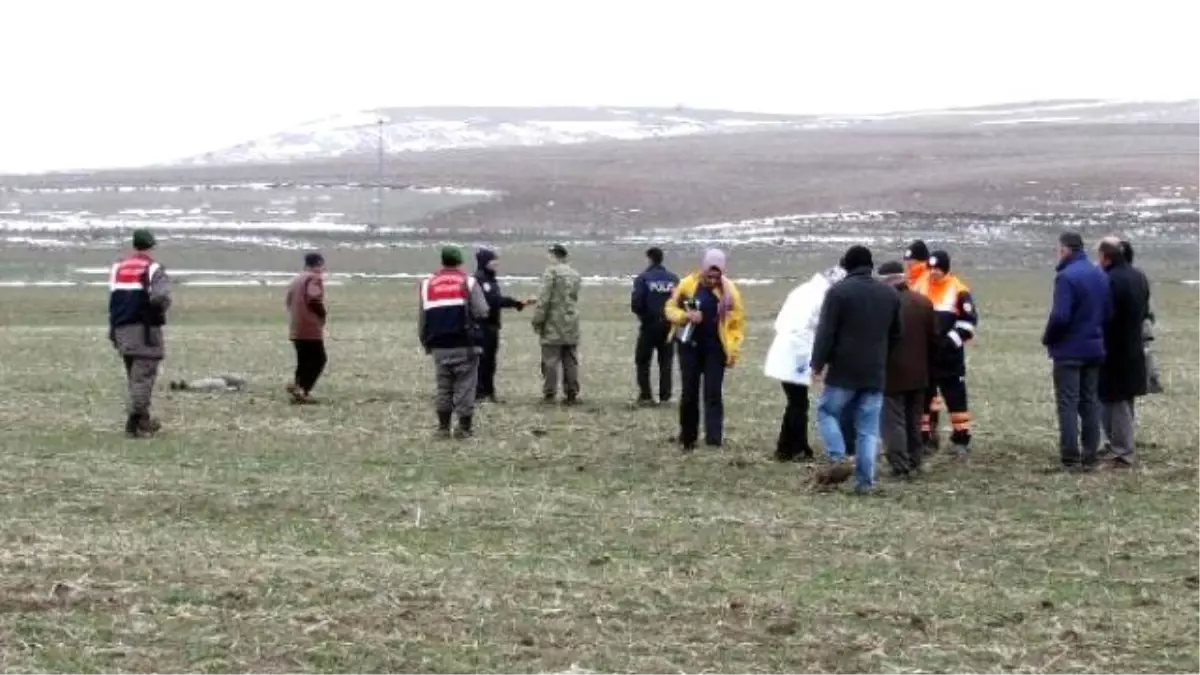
(556,317)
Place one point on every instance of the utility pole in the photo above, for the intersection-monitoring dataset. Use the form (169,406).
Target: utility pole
(379,177)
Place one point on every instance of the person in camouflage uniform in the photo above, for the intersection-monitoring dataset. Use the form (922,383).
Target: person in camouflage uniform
(556,321)
(138,299)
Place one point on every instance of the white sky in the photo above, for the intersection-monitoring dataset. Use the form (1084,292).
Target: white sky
(123,82)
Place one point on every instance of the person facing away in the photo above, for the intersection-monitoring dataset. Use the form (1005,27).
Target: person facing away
(556,322)
(916,266)
(788,361)
(908,368)
(859,325)
(305,302)
(486,262)
(1074,340)
(1153,377)
(709,321)
(651,291)
(1123,373)
(958,319)
(452,304)
(139,295)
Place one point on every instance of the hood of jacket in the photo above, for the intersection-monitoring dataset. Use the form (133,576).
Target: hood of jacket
(482,257)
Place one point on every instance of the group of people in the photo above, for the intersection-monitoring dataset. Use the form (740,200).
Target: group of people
(887,345)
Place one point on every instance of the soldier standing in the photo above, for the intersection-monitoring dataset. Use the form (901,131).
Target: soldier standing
(138,299)
(452,304)
(556,321)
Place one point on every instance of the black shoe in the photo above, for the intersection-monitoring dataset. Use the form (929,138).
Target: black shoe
(687,448)
(645,403)
(464,428)
(713,444)
(549,399)
(133,426)
(443,430)
(571,400)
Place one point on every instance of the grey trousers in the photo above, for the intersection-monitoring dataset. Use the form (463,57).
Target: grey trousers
(1076,392)
(555,357)
(1119,428)
(901,430)
(140,375)
(457,375)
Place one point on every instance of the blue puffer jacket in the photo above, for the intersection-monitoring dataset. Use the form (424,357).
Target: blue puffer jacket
(1082,305)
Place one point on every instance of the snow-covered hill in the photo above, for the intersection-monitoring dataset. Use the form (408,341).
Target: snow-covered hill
(426,129)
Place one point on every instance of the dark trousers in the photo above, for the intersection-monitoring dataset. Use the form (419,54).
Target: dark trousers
(486,387)
(1076,392)
(953,391)
(902,430)
(653,339)
(701,364)
(310,363)
(793,432)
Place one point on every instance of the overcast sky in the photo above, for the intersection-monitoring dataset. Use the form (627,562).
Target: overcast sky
(122,82)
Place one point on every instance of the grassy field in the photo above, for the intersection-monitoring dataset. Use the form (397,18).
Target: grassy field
(254,535)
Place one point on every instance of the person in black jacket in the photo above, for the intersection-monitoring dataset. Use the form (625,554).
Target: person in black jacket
(486,261)
(1123,373)
(859,326)
(651,291)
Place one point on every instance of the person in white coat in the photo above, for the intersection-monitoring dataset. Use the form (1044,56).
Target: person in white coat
(788,360)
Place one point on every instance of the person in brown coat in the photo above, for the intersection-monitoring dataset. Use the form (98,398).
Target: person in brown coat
(908,371)
(306,312)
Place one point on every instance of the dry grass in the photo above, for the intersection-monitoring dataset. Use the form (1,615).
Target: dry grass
(257,536)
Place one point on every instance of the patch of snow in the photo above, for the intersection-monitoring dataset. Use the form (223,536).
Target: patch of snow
(1031,120)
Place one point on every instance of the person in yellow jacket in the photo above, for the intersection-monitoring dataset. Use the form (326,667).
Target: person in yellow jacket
(708,321)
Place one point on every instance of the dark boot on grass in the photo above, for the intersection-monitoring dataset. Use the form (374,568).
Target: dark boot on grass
(465,428)
(443,428)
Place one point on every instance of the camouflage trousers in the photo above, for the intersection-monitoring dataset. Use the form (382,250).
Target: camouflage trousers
(554,359)
(140,374)
(457,376)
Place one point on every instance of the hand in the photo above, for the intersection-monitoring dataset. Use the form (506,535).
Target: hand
(530,301)
(694,316)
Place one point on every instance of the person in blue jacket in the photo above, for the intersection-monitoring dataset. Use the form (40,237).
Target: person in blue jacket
(651,290)
(1074,338)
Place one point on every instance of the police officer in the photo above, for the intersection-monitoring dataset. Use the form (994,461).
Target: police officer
(452,304)
(651,291)
(485,275)
(139,295)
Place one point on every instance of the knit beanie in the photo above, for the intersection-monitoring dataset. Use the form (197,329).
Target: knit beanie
(917,251)
(940,260)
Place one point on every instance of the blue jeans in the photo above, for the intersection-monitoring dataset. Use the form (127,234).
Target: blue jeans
(864,407)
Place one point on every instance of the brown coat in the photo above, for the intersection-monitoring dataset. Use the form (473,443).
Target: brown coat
(306,307)
(909,361)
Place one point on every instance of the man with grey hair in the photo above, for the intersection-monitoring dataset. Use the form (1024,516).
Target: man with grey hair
(1123,373)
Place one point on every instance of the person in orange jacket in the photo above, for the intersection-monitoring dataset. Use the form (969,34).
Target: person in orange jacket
(916,266)
(958,320)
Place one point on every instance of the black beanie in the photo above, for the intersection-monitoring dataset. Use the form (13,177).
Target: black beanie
(940,260)
(917,251)
(857,256)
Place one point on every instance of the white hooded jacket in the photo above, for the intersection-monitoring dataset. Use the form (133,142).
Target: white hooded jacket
(796,329)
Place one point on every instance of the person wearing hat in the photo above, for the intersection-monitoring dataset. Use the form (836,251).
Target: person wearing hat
(907,374)
(1074,340)
(305,303)
(651,291)
(859,325)
(139,295)
(486,261)
(556,322)
(958,319)
(709,322)
(916,266)
(452,304)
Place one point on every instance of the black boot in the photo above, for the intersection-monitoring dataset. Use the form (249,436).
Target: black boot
(464,428)
(443,430)
(133,425)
